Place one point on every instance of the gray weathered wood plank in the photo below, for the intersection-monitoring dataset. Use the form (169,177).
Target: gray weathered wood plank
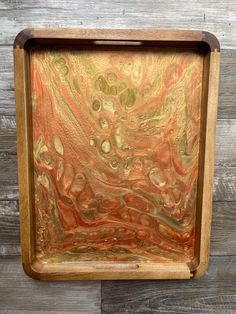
(213,293)
(223,232)
(227,94)
(21,294)
(225,165)
(223,238)
(226,143)
(227,91)
(215,16)
(225,184)
(9,228)
(9,192)
(8,176)
(7,135)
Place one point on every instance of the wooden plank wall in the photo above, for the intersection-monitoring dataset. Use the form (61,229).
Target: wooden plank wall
(216,291)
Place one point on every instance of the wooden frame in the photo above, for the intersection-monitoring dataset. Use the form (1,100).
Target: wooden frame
(164,38)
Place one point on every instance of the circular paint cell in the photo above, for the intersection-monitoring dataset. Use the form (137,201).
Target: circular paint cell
(104,123)
(106,146)
(96,105)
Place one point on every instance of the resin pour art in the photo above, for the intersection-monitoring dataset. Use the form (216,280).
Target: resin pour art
(116,137)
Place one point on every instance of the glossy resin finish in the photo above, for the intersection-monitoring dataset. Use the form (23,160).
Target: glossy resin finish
(115,152)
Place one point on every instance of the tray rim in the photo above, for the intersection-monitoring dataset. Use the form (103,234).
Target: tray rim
(173,270)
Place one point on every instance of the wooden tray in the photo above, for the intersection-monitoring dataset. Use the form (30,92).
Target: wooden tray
(116,136)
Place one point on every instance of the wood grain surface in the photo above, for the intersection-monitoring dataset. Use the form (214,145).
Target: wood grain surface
(20,294)
(215,16)
(215,292)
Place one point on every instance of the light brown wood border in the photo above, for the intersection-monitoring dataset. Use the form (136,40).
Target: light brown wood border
(208,174)
(149,37)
